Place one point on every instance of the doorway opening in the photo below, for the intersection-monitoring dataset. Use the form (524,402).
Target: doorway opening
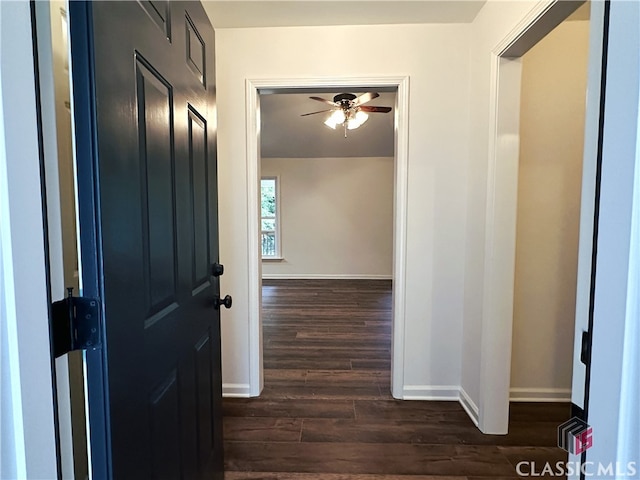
(327,245)
(253,91)
(500,244)
(554,77)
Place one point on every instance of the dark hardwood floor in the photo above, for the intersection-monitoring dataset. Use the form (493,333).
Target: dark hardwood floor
(326,412)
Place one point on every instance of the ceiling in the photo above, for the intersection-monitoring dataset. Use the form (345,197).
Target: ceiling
(292,13)
(285,134)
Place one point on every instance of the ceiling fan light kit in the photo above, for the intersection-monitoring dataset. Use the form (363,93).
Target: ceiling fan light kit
(351,119)
(348,110)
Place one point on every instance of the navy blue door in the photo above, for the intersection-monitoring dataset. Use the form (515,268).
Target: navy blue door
(146,144)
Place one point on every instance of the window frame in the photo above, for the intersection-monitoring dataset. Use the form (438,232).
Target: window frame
(276,231)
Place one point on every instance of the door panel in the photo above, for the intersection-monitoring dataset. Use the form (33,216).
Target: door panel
(155,223)
(195,51)
(199,200)
(160,13)
(155,137)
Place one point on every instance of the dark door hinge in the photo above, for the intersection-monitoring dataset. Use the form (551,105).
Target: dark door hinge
(585,348)
(75,324)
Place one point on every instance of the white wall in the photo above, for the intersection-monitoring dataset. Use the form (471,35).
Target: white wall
(554,74)
(436,59)
(494,22)
(336,217)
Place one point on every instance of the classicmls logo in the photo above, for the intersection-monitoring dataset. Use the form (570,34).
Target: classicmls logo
(575,436)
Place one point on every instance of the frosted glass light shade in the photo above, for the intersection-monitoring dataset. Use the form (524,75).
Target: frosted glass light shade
(358,120)
(336,118)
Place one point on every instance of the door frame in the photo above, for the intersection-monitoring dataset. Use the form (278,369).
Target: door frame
(401,133)
(611,407)
(27,405)
(502,196)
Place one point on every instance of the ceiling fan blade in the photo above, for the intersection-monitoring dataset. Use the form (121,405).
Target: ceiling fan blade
(324,100)
(366,97)
(376,109)
(313,113)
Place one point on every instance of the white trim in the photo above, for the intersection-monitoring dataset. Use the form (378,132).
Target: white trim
(469,406)
(254,254)
(587,204)
(523,27)
(443,393)
(401,176)
(323,276)
(400,211)
(431,392)
(236,390)
(540,395)
(499,268)
(26,402)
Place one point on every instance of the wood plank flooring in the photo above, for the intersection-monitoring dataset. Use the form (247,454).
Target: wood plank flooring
(326,412)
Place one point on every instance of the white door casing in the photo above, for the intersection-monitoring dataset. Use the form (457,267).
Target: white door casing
(253,87)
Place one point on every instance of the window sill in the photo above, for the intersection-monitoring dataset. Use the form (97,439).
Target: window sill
(272,259)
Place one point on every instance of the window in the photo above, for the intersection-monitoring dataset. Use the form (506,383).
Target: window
(269,222)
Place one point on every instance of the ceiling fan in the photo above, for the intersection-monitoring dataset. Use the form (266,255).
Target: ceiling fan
(348,110)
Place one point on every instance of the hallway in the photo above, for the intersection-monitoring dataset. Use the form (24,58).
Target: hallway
(326,411)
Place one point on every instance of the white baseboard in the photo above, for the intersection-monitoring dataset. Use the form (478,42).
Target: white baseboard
(236,390)
(430,392)
(443,393)
(540,395)
(469,406)
(323,276)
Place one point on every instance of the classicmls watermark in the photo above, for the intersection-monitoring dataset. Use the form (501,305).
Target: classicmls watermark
(594,470)
(576,436)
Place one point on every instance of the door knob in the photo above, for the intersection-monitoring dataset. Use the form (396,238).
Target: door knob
(227,301)
(217,269)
